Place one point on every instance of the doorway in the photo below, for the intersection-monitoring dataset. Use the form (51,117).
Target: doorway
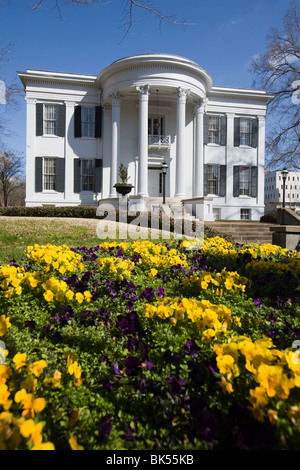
(154,182)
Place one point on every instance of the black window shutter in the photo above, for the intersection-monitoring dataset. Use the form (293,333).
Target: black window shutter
(222,191)
(60,175)
(61,120)
(254,133)
(39,119)
(77,121)
(236,181)
(205,181)
(223,130)
(98,176)
(254,181)
(38,174)
(98,121)
(205,129)
(236,132)
(76,175)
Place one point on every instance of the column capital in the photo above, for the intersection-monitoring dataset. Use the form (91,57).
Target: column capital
(115,98)
(182,93)
(144,90)
(199,106)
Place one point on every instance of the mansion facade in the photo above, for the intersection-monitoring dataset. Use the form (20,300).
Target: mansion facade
(143,111)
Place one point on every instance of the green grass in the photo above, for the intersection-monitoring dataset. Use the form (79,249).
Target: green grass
(17,233)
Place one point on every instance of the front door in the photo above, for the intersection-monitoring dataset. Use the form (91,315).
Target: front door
(154,182)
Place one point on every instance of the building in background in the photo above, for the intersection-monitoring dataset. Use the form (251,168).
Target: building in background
(142,111)
(274,190)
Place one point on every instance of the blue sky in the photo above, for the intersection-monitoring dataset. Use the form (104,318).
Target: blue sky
(220,35)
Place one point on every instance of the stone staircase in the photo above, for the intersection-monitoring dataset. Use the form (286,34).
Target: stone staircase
(240,232)
(243,232)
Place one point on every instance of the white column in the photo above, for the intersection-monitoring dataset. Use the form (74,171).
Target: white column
(115,143)
(261,160)
(230,158)
(180,143)
(107,141)
(143,140)
(69,152)
(199,112)
(30,150)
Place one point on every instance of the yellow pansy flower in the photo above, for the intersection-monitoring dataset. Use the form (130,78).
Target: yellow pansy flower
(48,295)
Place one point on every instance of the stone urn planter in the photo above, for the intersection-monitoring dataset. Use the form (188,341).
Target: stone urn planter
(123,188)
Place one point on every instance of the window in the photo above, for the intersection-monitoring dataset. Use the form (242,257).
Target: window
(50,119)
(215,179)
(88,122)
(245,132)
(213,129)
(245,214)
(156,125)
(216,213)
(49,174)
(244,181)
(87,175)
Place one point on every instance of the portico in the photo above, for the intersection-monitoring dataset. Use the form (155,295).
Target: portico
(160,91)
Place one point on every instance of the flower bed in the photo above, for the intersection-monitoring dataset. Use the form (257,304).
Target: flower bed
(141,345)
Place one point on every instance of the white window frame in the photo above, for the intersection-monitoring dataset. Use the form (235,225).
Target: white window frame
(88,118)
(245,132)
(50,118)
(152,129)
(214,129)
(87,174)
(213,179)
(245,213)
(49,173)
(245,180)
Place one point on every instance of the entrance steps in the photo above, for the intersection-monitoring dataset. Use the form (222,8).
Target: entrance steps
(240,232)
(243,232)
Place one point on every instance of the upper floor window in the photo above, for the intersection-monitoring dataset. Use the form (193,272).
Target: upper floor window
(156,125)
(215,129)
(50,119)
(87,122)
(245,132)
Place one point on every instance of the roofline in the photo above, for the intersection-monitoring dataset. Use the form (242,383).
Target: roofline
(242,92)
(32,74)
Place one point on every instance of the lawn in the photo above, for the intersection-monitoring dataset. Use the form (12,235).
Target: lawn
(16,233)
(143,345)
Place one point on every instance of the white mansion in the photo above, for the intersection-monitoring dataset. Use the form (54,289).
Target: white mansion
(142,111)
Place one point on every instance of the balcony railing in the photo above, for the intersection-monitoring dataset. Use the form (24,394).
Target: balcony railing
(159,141)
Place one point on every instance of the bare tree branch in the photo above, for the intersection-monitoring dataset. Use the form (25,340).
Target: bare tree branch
(129,9)
(278,71)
